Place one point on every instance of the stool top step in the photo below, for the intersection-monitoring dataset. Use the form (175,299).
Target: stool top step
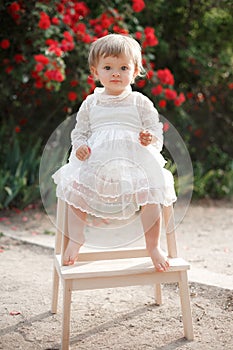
(116,267)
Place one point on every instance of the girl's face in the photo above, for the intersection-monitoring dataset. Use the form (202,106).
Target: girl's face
(115,73)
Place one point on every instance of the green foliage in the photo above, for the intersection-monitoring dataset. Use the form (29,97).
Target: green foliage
(214,178)
(19,172)
(195,42)
(216,183)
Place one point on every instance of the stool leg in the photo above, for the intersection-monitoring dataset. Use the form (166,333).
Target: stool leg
(158,294)
(55,291)
(67,292)
(186,306)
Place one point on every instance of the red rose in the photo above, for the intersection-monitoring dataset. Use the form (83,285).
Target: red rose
(190,95)
(5,43)
(44,22)
(138,35)
(67,19)
(34,74)
(87,39)
(81,9)
(90,80)
(55,20)
(72,96)
(51,42)
(152,64)
(157,90)
(98,29)
(68,36)
(9,69)
(141,83)
(58,76)
(19,58)
(60,8)
(67,45)
(119,30)
(41,58)
(39,67)
(49,74)
(14,7)
(179,100)
(149,74)
(151,39)
(39,84)
(73,83)
(170,94)
(55,75)
(56,50)
(165,76)
(17,129)
(162,103)
(138,5)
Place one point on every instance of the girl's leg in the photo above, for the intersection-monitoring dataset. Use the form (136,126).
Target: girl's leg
(151,221)
(76,225)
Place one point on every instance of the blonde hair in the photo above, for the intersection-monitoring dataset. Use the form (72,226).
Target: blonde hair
(116,45)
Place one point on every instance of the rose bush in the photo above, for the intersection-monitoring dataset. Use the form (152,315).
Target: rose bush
(44,73)
(44,54)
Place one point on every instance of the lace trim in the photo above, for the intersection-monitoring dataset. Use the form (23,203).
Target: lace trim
(101,96)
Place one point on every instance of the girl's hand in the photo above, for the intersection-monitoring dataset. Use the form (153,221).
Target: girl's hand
(83,152)
(145,138)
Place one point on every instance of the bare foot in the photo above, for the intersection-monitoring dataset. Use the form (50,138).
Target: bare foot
(159,259)
(71,253)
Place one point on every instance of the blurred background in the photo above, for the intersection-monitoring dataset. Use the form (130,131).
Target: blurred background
(187,54)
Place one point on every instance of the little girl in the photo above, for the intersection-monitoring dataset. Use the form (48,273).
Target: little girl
(115,167)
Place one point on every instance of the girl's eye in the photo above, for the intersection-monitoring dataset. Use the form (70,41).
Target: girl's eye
(107,67)
(124,68)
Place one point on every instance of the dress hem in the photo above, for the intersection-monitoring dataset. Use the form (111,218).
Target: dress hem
(117,217)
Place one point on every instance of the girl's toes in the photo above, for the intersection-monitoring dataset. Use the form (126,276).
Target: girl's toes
(69,261)
(160,268)
(66,262)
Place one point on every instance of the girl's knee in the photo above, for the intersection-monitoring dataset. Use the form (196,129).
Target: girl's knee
(151,211)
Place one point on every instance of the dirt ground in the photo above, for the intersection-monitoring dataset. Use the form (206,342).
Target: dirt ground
(124,318)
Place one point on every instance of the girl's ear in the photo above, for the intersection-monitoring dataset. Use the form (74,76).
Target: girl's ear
(136,72)
(94,72)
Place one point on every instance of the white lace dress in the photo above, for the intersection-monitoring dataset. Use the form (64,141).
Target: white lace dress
(120,175)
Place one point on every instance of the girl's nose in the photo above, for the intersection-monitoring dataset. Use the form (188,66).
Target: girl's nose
(116,74)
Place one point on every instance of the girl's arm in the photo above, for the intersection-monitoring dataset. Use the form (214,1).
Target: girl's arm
(152,127)
(81,133)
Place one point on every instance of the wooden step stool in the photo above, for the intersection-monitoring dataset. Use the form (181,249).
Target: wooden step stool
(116,268)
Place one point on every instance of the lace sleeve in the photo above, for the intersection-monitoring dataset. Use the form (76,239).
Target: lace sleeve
(81,131)
(150,120)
